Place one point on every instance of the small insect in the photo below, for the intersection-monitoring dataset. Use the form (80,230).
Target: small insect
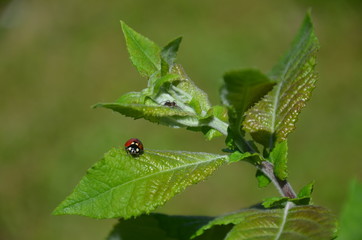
(134,147)
(168,103)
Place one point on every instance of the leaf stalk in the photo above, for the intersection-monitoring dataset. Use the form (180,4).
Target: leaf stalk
(283,186)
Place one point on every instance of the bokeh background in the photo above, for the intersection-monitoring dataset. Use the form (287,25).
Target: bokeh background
(57,58)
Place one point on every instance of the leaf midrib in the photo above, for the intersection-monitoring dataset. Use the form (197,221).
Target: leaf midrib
(283,80)
(288,206)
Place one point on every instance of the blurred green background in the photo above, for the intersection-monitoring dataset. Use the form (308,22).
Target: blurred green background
(57,58)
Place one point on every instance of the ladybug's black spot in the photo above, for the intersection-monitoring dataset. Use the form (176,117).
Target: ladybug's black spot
(134,150)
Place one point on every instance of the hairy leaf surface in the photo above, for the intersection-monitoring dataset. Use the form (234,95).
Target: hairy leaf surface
(124,186)
(274,117)
(168,54)
(187,90)
(169,116)
(293,223)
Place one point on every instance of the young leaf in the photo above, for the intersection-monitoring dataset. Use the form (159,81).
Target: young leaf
(253,158)
(279,202)
(275,202)
(304,197)
(300,222)
(124,186)
(165,227)
(274,117)
(307,190)
(155,84)
(218,119)
(144,53)
(168,55)
(279,157)
(351,217)
(187,91)
(263,180)
(129,98)
(243,88)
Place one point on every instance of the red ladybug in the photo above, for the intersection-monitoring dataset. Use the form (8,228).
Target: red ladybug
(134,147)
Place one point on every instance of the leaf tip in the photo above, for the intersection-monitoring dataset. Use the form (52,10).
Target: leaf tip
(58,211)
(97,105)
(123,24)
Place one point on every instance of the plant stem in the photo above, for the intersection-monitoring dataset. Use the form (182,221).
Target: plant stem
(283,186)
(219,125)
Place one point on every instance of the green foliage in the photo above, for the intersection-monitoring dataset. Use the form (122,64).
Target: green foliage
(258,113)
(144,53)
(249,157)
(164,227)
(300,222)
(351,218)
(307,190)
(124,186)
(262,179)
(167,83)
(303,198)
(279,158)
(271,119)
(243,88)
(168,55)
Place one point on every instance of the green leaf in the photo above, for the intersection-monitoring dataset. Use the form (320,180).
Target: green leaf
(156,84)
(307,190)
(191,108)
(243,88)
(262,179)
(279,202)
(253,158)
(168,54)
(220,221)
(219,112)
(172,117)
(275,202)
(279,157)
(186,91)
(217,119)
(274,117)
(124,186)
(303,198)
(351,217)
(164,227)
(300,222)
(144,53)
(129,98)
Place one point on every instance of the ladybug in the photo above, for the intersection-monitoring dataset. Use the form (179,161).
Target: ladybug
(134,147)
(170,104)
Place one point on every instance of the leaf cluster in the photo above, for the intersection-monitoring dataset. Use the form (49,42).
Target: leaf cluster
(257,113)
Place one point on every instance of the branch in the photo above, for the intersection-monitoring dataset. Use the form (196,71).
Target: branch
(283,186)
(219,125)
